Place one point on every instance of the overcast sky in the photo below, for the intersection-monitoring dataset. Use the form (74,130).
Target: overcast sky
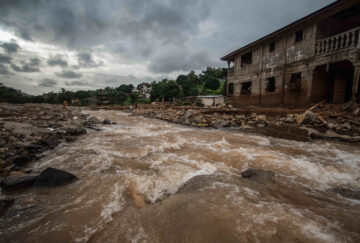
(87,44)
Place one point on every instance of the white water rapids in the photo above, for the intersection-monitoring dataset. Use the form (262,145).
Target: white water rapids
(130,175)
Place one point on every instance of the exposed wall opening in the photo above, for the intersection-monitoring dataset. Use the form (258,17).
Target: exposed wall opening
(272,46)
(246,59)
(231,89)
(270,84)
(246,88)
(333,83)
(295,82)
(299,36)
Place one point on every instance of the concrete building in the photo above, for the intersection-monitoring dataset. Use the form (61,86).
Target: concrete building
(312,59)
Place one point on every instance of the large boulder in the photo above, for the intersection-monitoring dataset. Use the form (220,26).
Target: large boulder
(54,177)
(16,182)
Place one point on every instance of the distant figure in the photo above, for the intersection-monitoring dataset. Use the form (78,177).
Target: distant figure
(64,104)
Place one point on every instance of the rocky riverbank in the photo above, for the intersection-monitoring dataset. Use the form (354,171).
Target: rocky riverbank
(30,129)
(302,126)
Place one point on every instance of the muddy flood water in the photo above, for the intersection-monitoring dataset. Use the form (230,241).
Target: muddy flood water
(145,180)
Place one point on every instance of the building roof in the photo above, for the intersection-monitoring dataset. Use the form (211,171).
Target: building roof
(287,27)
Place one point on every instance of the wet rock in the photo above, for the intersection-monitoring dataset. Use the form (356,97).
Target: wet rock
(106,122)
(52,141)
(260,176)
(345,192)
(261,118)
(15,182)
(54,177)
(75,131)
(5,204)
(70,138)
(197,183)
(93,120)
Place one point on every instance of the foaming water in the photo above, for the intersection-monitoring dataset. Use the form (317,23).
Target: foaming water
(144,180)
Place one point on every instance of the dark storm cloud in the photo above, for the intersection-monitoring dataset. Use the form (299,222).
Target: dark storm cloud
(10,47)
(31,66)
(68,74)
(81,23)
(86,60)
(47,82)
(4,58)
(57,61)
(75,83)
(4,70)
(176,60)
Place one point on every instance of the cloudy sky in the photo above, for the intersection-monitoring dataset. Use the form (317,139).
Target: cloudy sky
(87,44)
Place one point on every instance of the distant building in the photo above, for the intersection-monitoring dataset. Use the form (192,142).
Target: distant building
(313,59)
(145,89)
(208,100)
(102,98)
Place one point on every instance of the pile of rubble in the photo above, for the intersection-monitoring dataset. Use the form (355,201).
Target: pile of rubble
(28,130)
(315,123)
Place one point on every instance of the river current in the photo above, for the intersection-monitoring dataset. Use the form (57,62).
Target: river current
(146,180)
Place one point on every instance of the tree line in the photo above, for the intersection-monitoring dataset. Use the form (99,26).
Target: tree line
(206,83)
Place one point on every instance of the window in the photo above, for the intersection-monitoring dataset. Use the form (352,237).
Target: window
(231,89)
(299,36)
(270,84)
(246,88)
(246,59)
(295,82)
(272,46)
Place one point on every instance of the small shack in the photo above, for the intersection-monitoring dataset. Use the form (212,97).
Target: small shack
(208,100)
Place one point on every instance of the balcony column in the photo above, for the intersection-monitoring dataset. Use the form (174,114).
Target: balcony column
(355,90)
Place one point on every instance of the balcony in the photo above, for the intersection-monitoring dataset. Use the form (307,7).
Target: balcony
(342,41)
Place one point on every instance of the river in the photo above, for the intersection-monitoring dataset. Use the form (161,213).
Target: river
(146,180)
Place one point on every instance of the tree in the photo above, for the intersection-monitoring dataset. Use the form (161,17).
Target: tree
(212,83)
(125,88)
(165,90)
(134,98)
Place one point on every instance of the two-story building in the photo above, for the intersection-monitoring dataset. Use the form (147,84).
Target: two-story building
(312,59)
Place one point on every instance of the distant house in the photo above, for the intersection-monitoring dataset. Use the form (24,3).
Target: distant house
(314,58)
(75,101)
(145,89)
(208,100)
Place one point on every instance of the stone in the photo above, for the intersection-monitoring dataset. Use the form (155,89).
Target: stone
(260,176)
(106,122)
(253,116)
(93,120)
(261,118)
(347,126)
(54,177)
(52,141)
(70,138)
(75,131)
(220,123)
(15,182)
(188,114)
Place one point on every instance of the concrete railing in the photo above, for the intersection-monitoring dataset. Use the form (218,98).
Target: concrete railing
(348,39)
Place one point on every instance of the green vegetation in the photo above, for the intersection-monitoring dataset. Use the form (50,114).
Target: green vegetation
(209,82)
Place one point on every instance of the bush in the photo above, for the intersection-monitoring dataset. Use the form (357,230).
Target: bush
(212,83)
